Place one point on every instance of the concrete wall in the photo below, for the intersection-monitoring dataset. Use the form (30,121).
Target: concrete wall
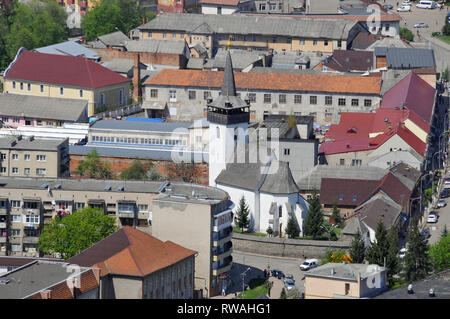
(185,109)
(387,160)
(284,247)
(335,159)
(127,287)
(323,288)
(213,9)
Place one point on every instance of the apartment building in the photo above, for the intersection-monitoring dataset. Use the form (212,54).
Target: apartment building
(253,32)
(27,204)
(67,77)
(202,224)
(31,157)
(183,93)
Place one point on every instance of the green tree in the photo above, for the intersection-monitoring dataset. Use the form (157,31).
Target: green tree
(314,217)
(417,263)
(440,253)
(357,249)
(392,259)
(35,24)
(283,294)
(444,231)
(137,171)
(269,231)
(93,167)
(70,235)
(242,219)
(336,215)
(445,74)
(112,15)
(291,228)
(407,34)
(378,250)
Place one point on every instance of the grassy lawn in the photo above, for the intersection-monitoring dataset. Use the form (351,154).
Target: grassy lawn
(257,287)
(445,38)
(239,231)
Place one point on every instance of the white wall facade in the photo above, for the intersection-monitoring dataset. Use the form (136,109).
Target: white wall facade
(387,160)
(213,9)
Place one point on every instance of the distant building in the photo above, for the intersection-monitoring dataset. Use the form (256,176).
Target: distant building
(30,157)
(345,281)
(72,48)
(135,265)
(43,279)
(219,6)
(62,76)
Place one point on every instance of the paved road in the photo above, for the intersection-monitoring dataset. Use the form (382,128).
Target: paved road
(444,219)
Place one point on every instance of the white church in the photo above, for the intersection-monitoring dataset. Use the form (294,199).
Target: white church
(236,166)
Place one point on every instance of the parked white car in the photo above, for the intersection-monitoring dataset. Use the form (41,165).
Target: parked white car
(432,219)
(402,252)
(441,203)
(309,264)
(289,284)
(404,9)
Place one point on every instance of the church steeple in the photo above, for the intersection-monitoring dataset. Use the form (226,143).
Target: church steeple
(228,85)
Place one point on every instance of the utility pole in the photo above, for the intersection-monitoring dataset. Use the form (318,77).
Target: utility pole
(243,281)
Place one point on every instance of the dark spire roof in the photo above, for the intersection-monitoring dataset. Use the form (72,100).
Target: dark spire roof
(228,85)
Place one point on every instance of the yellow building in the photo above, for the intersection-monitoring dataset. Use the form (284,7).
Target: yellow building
(68,77)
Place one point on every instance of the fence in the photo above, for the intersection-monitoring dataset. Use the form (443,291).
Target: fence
(125,111)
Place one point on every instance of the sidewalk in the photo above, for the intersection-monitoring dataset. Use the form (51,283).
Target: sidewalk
(275,292)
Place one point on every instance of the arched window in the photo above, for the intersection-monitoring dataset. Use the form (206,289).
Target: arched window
(217,132)
(280,211)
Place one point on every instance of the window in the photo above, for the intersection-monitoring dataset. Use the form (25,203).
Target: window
(3,156)
(341,102)
(217,132)
(282,98)
(367,102)
(61,91)
(342,161)
(355,196)
(314,42)
(149,34)
(81,93)
(41,88)
(15,232)
(78,206)
(302,41)
(356,162)
(280,211)
(287,151)
(40,171)
(27,157)
(16,218)
(267,98)
(28,86)
(102,98)
(274,40)
(15,204)
(262,7)
(328,114)
(289,40)
(297,113)
(297,99)
(206,95)
(40,158)
(325,42)
(15,247)
(26,171)
(387,26)
(328,100)
(219,10)
(121,96)
(15,170)
(355,102)
(313,100)
(341,196)
(14,84)
(32,218)
(21,85)
(15,156)
(154,93)
(339,43)
(164,35)
(16,120)
(192,95)
(172,95)
(252,97)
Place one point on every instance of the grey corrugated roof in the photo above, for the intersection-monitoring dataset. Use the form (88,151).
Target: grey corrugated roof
(248,25)
(241,58)
(407,58)
(117,38)
(387,43)
(156,46)
(41,107)
(72,48)
(119,65)
(139,126)
(313,179)
(128,152)
(25,144)
(195,63)
(34,277)
(344,271)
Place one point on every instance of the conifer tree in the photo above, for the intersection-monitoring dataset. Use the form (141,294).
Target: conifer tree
(242,215)
(378,250)
(417,262)
(314,217)
(291,228)
(392,259)
(336,215)
(357,249)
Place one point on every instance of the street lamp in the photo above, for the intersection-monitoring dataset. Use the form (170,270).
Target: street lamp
(243,281)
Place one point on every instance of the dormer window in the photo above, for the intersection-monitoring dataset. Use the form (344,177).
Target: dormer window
(341,196)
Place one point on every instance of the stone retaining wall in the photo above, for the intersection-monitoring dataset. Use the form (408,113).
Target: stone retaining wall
(285,247)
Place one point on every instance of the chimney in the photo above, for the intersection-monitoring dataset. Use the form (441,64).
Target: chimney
(136,78)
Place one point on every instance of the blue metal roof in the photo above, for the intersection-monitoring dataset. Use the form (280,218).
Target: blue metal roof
(72,48)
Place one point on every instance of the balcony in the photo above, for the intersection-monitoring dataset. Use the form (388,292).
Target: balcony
(223,253)
(31,240)
(2,239)
(219,240)
(127,209)
(3,225)
(14,240)
(3,211)
(225,267)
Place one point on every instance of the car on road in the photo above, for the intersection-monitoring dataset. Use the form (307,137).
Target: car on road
(288,277)
(421,25)
(445,193)
(388,6)
(277,273)
(309,264)
(289,284)
(432,218)
(402,252)
(404,9)
(447,183)
(441,203)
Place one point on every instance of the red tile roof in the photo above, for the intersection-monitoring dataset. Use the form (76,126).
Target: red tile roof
(269,81)
(131,252)
(349,60)
(413,93)
(395,189)
(332,188)
(62,70)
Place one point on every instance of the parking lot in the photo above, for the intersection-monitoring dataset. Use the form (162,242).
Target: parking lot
(434,18)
